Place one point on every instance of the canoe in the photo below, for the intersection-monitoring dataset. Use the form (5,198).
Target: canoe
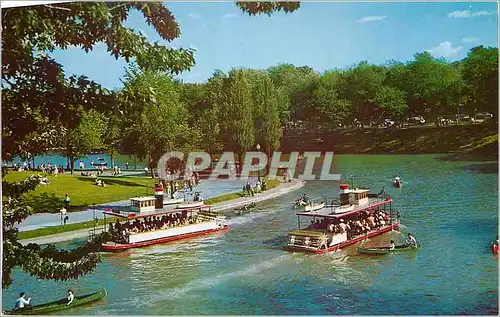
(386,250)
(60,304)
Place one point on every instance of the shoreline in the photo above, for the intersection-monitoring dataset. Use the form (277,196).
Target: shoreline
(281,189)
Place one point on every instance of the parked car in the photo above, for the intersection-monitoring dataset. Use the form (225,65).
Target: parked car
(416,120)
(445,120)
(464,118)
(389,123)
(483,117)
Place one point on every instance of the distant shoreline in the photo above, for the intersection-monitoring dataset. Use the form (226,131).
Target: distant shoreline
(460,142)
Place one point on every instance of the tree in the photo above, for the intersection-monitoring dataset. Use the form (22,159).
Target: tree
(238,133)
(431,81)
(362,82)
(86,136)
(266,111)
(290,80)
(391,101)
(156,119)
(43,263)
(480,74)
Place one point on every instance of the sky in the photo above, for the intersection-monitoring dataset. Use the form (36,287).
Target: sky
(322,35)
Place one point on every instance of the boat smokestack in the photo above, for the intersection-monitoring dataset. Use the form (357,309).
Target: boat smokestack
(344,194)
(159,197)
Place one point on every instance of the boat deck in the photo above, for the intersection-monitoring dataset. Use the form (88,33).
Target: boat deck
(336,211)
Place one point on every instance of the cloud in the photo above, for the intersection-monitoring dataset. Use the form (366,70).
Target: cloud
(469,13)
(230,16)
(444,49)
(371,18)
(469,39)
(194,15)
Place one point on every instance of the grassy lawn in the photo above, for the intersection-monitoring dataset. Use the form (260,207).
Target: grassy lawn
(81,190)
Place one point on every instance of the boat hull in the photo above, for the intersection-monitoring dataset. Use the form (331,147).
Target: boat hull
(121,247)
(344,244)
(385,250)
(60,304)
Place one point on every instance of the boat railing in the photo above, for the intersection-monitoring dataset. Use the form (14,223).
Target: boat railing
(96,232)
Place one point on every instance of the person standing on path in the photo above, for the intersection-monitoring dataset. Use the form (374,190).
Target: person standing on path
(66,201)
(126,164)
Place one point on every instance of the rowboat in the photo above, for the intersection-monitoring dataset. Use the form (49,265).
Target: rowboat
(386,250)
(59,304)
(311,207)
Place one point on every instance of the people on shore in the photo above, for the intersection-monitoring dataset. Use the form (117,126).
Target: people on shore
(67,201)
(22,302)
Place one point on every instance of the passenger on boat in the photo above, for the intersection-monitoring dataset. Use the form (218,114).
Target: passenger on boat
(71,297)
(21,302)
(392,246)
(410,240)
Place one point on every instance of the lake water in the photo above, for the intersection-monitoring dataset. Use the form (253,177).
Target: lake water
(453,213)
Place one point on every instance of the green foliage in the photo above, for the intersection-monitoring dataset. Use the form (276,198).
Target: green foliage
(156,119)
(237,133)
(480,74)
(44,263)
(391,101)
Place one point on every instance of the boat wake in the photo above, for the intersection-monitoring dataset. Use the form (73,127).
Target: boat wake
(202,283)
(239,220)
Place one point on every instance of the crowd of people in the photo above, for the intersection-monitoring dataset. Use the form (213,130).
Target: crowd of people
(48,168)
(354,225)
(260,185)
(120,231)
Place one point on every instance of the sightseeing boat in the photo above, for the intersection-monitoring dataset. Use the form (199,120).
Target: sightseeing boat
(161,225)
(359,216)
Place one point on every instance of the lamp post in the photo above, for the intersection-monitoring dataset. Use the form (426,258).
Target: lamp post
(258,171)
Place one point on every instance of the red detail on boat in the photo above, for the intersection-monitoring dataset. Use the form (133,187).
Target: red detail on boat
(494,248)
(344,186)
(122,247)
(348,242)
(159,189)
(388,198)
(131,215)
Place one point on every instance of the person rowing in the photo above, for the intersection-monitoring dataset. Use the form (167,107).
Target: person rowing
(410,240)
(71,297)
(392,246)
(21,302)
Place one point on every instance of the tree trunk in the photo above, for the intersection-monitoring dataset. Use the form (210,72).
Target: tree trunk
(172,189)
(72,163)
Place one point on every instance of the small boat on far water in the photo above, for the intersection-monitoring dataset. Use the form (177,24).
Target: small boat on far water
(398,183)
(60,304)
(386,250)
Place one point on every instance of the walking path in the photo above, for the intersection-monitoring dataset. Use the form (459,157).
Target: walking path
(282,189)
